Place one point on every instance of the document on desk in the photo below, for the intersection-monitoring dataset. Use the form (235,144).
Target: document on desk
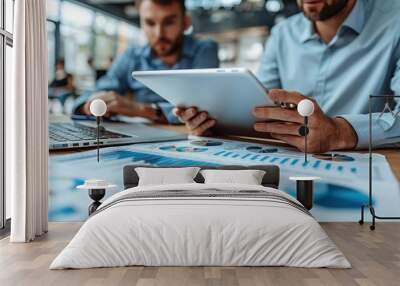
(338,196)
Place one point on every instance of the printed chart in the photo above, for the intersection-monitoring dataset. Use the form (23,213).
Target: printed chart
(338,196)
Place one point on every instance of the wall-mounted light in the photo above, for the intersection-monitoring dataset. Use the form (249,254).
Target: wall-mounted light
(274,6)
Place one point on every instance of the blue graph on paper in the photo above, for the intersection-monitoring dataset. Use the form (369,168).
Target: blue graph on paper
(68,172)
(234,152)
(282,161)
(339,195)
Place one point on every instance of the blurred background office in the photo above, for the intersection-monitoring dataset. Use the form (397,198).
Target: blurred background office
(86,35)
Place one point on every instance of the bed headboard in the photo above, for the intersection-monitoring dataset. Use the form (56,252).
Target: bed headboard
(271,178)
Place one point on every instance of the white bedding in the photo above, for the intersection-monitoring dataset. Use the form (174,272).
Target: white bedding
(191,231)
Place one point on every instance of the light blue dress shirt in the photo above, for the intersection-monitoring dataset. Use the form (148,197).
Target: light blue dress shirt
(362,59)
(196,54)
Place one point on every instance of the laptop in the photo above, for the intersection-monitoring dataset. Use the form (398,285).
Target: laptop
(70,134)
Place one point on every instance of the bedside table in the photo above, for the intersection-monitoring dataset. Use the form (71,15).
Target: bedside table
(96,190)
(304,190)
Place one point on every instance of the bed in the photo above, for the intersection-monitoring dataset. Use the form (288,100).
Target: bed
(197,224)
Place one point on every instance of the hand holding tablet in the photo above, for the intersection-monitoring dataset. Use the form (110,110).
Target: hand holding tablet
(227,95)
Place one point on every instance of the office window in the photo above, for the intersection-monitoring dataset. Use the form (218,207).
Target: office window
(76,43)
(129,35)
(105,25)
(78,33)
(105,41)
(76,48)
(75,15)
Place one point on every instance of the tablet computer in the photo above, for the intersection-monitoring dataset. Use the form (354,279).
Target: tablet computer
(228,95)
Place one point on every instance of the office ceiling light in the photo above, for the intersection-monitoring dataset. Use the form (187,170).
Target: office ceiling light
(220,16)
(131,11)
(212,4)
(190,30)
(111,1)
(254,52)
(274,6)
(256,3)
(230,3)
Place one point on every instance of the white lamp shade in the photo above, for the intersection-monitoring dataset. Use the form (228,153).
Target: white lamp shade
(305,107)
(98,107)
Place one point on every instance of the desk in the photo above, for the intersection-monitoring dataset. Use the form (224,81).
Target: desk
(392,155)
(333,201)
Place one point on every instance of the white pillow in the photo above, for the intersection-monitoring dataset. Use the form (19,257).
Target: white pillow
(166,176)
(248,177)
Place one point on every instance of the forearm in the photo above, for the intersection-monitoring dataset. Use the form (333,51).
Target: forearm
(149,112)
(385,129)
(346,137)
(80,102)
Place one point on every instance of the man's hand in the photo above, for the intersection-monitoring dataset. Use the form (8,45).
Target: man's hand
(325,133)
(116,104)
(122,105)
(198,123)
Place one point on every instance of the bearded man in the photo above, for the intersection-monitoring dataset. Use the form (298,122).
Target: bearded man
(336,53)
(163,23)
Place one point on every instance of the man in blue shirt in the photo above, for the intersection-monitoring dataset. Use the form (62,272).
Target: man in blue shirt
(164,23)
(337,53)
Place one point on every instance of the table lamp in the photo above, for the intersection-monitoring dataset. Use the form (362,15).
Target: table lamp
(98,108)
(305,108)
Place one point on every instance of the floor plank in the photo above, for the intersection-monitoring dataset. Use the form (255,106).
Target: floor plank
(375,257)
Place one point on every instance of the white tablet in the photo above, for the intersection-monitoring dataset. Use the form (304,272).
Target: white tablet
(228,95)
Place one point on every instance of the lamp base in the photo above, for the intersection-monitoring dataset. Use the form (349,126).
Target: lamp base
(96,195)
(305,193)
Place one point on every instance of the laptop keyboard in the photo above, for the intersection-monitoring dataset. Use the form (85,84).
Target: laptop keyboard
(64,132)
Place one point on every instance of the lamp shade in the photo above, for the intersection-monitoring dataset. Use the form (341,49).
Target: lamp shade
(98,107)
(305,107)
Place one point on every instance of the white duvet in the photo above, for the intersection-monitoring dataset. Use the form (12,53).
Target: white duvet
(200,231)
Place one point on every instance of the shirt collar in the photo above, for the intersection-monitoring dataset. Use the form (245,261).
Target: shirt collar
(354,21)
(188,49)
(308,31)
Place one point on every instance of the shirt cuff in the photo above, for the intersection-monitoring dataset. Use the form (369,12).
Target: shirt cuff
(166,109)
(380,125)
(79,102)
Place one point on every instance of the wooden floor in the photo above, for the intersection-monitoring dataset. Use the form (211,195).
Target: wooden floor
(375,257)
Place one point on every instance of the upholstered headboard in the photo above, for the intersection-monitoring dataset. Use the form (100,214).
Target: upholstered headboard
(271,178)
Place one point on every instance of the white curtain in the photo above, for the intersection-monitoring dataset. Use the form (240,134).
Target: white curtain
(26,125)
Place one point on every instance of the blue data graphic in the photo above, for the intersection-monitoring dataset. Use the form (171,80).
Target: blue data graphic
(337,197)
(334,164)
(282,161)
(234,152)
(134,157)
(67,172)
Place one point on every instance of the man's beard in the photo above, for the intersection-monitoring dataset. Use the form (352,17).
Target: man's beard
(327,12)
(173,49)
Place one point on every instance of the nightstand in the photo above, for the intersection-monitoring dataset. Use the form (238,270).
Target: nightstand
(96,190)
(304,190)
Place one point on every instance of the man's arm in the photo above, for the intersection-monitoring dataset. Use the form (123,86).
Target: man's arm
(386,127)
(114,80)
(206,56)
